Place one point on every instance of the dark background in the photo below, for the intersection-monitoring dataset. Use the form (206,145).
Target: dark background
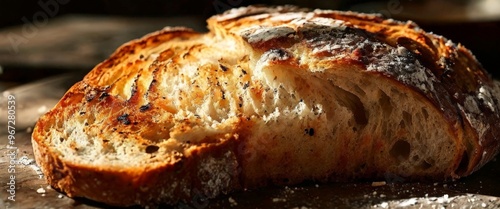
(479,35)
(12,11)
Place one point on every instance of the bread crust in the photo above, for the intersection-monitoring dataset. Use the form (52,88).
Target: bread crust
(129,98)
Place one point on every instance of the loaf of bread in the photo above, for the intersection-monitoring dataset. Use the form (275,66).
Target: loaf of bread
(270,95)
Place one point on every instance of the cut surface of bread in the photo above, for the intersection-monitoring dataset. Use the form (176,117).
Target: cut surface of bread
(270,95)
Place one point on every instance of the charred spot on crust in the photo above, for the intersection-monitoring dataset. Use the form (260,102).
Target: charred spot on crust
(103,95)
(145,107)
(133,90)
(223,68)
(246,85)
(281,52)
(124,119)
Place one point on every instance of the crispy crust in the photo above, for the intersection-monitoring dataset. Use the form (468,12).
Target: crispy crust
(140,187)
(122,99)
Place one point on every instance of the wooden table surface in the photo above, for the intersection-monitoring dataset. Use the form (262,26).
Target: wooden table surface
(78,41)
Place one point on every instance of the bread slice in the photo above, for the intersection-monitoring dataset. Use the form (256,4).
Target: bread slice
(271,95)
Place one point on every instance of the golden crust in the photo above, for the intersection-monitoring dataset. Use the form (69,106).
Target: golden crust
(178,115)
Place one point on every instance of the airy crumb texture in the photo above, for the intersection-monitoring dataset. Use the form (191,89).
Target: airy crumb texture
(269,96)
